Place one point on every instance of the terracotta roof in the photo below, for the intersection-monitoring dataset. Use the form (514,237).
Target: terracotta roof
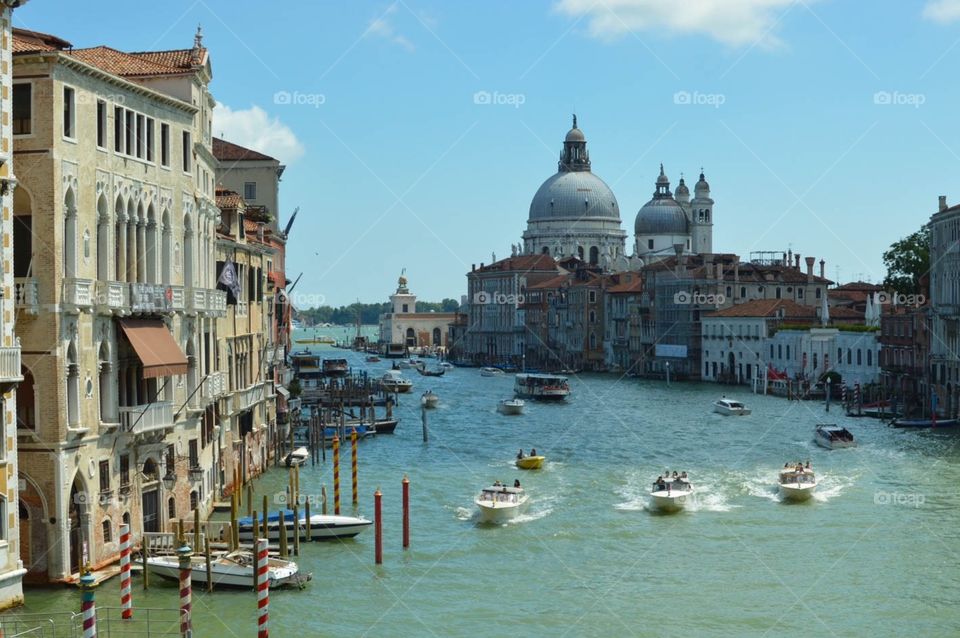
(25,41)
(229,152)
(791,309)
(522,263)
(859,286)
(626,283)
(227,199)
(554,282)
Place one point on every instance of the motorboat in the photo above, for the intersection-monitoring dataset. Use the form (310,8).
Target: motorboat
(532,462)
(233,569)
(797,482)
(429,399)
(446,365)
(393,381)
(384,426)
(431,373)
(322,526)
(373,359)
(511,406)
(924,423)
(490,372)
(543,387)
(671,494)
(297,457)
(729,407)
(335,367)
(833,437)
(501,503)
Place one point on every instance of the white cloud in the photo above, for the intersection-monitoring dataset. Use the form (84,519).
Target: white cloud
(254,128)
(733,22)
(383,27)
(943,11)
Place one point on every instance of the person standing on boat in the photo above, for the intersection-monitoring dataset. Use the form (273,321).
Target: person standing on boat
(533,451)
(520,454)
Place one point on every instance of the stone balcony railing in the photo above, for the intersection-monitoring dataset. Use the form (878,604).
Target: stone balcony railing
(206,301)
(138,419)
(214,386)
(123,298)
(26,294)
(113,297)
(247,398)
(10,366)
(78,294)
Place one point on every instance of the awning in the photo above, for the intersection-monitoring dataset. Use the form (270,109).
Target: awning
(154,345)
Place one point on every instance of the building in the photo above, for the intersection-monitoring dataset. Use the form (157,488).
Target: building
(253,175)
(113,243)
(404,325)
(944,363)
(574,212)
(624,319)
(904,352)
(667,224)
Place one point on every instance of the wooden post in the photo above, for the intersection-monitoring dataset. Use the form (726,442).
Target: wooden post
(145,554)
(323,500)
(256,526)
(249,499)
(353,464)
(181,537)
(296,530)
(196,527)
(306,513)
(283,534)
(336,474)
(207,560)
(377,529)
(406,512)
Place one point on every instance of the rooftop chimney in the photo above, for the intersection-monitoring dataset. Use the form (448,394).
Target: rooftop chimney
(797,259)
(810,261)
(822,264)
(943,202)
(736,276)
(708,263)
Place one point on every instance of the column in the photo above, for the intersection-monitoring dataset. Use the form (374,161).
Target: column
(132,250)
(121,238)
(141,251)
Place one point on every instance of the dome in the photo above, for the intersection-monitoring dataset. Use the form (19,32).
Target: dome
(661,216)
(682,190)
(575,135)
(574,194)
(702,185)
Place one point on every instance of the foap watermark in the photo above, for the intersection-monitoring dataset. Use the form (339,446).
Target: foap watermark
(696,98)
(684,298)
(908,499)
(283,499)
(92,97)
(883,298)
(496,98)
(296,98)
(896,98)
(307,299)
(497,298)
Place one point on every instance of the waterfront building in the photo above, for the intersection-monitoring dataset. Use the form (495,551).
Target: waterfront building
(496,332)
(624,320)
(944,364)
(574,213)
(254,176)
(404,325)
(904,352)
(113,244)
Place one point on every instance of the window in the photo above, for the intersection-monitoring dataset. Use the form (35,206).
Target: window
(128,147)
(869,357)
(788,352)
(149,139)
(164,144)
(743,291)
(194,500)
(22,109)
(650,244)
(171,460)
(124,470)
(186,151)
(250,190)
(118,129)
(141,134)
(859,357)
(171,508)
(107,531)
(194,455)
(817,293)
(593,296)
(69,112)
(101,124)
(104,476)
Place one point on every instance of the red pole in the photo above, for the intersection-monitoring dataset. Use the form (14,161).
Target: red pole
(377,528)
(126,603)
(336,474)
(263,588)
(406,512)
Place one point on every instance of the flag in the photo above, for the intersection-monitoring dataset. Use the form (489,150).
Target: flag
(229,280)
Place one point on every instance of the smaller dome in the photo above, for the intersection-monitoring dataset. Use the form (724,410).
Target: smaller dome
(682,189)
(702,185)
(662,178)
(662,216)
(575,135)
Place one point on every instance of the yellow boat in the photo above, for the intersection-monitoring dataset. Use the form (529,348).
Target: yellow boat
(327,340)
(531,462)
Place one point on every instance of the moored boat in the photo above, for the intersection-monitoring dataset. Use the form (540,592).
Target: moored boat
(322,526)
(234,569)
(429,399)
(511,406)
(543,387)
(296,457)
(490,372)
(924,423)
(501,503)
(393,381)
(833,437)
(670,494)
(729,407)
(797,482)
(373,359)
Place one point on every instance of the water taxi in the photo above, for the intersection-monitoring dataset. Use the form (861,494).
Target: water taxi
(490,372)
(297,457)
(670,494)
(833,437)
(729,407)
(797,482)
(335,367)
(544,387)
(511,406)
(393,381)
(501,503)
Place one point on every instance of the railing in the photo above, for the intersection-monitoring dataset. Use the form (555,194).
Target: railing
(138,419)
(78,293)
(146,623)
(10,364)
(248,397)
(208,301)
(155,298)
(113,296)
(215,385)
(26,296)
(242,308)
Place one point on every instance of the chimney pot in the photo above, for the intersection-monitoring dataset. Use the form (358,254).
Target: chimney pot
(943,202)
(822,265)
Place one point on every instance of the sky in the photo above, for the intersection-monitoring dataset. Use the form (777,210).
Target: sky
(416,132)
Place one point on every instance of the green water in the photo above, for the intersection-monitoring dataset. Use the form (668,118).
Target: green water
(875,553)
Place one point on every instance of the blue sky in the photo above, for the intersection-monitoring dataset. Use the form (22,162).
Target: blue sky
(827,126)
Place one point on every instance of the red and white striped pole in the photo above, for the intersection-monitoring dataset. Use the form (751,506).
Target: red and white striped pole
(406,512)
(126,601)
(186,573)
(263,589)
(88,608)
(336,474)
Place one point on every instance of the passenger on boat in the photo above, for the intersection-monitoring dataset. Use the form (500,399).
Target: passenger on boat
(683,475)
(533,451)
(808,464)
(516,482)
(520,454)
(675,476)
(497,484)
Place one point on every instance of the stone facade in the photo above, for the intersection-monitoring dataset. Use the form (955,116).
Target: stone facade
(944,364)
(404,325)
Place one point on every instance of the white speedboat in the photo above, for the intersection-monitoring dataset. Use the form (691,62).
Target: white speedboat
(501,503)
(429,400)
(797,482)
(234,569)
(393,381)
(833,437)
(322,526)
(446,365)
(490,372)
(543,387)
(670,494)
(297,457)
(729,407)
(511,406)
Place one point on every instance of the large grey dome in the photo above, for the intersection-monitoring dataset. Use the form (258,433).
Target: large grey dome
(574,194)
(661,216)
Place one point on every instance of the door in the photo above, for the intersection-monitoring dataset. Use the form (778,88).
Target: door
(25,533)
(151,506)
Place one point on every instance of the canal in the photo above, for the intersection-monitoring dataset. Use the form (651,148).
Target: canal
(875,551)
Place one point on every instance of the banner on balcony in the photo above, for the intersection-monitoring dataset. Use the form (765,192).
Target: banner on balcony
(228,279)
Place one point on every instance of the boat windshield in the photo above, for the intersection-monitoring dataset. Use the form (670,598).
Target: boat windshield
(499,496)
(801,478)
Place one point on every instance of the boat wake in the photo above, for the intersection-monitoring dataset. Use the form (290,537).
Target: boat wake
(464,514)
(831,485)
(636,495)
(762,484)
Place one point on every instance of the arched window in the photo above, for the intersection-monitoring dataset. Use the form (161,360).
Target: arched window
(188,251)
(437,337)
(132,221)
(545,250)
(869,357)
(859,357)
(166,276)
(593,341)
(171,508)
(849,356)
(594,255)
(73,386)
(191,372)
(107,530)
(150,251)
(411,337)
(103,239)
(194,500)
(69,235)
(119,241)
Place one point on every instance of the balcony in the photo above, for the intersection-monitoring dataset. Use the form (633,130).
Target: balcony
(113,297)
(214,386)
(139,419)
(9,367)
(249,397)
(212,303)
(78,295)
(154,298)
(25,292)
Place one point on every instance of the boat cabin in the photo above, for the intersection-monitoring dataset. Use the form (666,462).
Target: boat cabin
(799,476)
(501,494)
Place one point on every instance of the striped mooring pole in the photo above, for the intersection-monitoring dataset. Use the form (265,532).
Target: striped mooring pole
(186,625)
(353,463)
(336,474)
(263,589)
(88,608)
(126,599)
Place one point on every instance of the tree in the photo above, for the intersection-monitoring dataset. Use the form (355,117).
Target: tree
(907,261)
